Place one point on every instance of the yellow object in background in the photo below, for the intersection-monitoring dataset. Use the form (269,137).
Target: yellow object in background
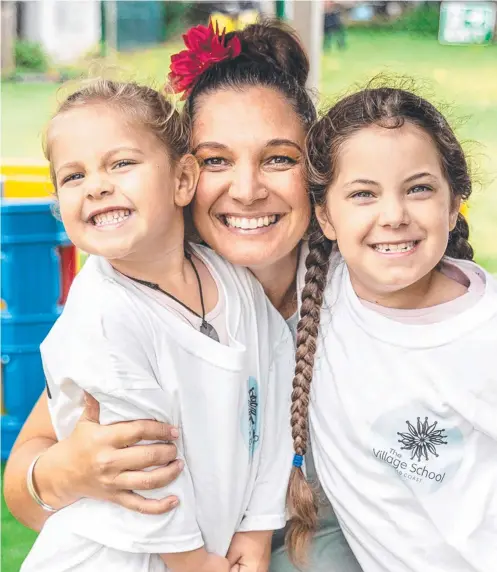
(238,22)
(246,18)
(20,167)
(25,179)
(464,210)
(80,259)
(27,187)
(224,22)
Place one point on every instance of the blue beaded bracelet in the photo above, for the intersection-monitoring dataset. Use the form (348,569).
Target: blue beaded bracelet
(297,461)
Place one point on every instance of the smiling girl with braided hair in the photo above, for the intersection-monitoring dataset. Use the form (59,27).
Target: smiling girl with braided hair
(395,378)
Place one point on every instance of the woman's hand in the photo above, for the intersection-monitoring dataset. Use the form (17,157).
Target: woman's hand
(96,461)
(100,462)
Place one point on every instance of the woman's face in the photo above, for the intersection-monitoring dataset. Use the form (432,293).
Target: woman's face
(251,204)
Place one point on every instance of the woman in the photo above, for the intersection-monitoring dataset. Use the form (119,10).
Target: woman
(249,115)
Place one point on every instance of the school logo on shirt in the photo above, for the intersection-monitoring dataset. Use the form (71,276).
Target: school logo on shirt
(422,438)
(251,423)
(423,452)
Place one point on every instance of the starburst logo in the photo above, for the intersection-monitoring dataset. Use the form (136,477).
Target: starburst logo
(421,440)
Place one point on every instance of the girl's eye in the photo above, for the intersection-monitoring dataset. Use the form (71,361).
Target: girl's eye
(281,160)
(72,177)
(420,189)
(122,163)
(362,195)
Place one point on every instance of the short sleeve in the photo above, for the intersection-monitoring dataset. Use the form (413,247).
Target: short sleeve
(110,353)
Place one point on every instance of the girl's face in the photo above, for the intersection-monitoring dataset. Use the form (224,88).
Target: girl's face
(389,208)
(119,193)
(251,204)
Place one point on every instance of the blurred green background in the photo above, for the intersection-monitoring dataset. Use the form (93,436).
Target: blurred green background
(461,79)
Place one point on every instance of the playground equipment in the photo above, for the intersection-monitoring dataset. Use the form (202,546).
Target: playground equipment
(26,180)
(38,265)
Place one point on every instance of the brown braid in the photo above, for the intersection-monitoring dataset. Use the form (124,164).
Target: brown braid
(459,246)
(301,498)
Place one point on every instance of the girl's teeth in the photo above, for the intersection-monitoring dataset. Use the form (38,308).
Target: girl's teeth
(250,223)
(111,217)
(401,247)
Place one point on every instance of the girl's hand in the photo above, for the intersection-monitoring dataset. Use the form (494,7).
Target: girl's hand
(99,461)
(250,551)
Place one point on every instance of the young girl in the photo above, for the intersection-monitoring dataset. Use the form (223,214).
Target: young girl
(402,412)
(156,328)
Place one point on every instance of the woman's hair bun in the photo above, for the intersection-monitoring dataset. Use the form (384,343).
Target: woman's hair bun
(274,43)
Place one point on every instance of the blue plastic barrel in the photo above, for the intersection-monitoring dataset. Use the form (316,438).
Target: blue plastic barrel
(31,284)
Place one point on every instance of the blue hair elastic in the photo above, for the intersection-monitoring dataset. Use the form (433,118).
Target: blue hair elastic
(297,461)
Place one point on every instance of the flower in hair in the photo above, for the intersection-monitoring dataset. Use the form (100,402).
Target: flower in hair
(205,47)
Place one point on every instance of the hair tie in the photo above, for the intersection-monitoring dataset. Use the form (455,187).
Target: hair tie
(298,460)
(205,47)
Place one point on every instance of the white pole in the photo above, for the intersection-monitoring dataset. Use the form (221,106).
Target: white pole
(8,35)
(110,7)
(308,20)
(267,8)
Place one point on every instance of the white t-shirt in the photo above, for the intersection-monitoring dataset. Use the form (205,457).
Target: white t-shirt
(231,402)
(216,317)
(403,422)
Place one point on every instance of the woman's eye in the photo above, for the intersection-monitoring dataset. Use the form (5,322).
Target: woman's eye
(72,177)
(281,160)
(214,161)
(420,189)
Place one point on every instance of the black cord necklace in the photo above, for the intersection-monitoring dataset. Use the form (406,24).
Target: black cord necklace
(205,327)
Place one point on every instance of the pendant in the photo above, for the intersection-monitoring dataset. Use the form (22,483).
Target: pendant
(209,331)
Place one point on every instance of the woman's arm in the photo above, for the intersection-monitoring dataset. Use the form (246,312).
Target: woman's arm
(95,461)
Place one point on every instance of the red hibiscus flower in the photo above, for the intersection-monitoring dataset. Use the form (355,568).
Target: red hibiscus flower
(205,47)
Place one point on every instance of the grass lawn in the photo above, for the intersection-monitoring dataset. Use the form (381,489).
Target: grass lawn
(463,77)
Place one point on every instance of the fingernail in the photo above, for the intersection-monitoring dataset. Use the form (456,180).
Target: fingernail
(174,433)
(181,465)
(174,503)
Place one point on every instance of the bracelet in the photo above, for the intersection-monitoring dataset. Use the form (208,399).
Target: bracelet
(31,487)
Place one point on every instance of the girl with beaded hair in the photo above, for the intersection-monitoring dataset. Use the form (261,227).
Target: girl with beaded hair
(395,381)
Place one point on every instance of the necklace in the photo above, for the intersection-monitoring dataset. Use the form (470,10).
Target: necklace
(205,328)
